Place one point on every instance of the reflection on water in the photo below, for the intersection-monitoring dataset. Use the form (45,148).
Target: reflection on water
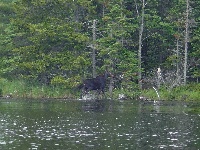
(100,124)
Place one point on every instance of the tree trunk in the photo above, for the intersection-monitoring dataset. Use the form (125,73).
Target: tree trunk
(186,42)
(93,50)
(111,85)
(178,76)
(140,46)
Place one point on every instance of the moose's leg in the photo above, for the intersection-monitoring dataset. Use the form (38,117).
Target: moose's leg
(98,92)
(101,93)
(84,91)
(104,95)
(103,90)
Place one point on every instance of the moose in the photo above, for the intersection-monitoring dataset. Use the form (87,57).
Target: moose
(97,84)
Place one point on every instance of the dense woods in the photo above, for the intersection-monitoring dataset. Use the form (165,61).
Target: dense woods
(62,42)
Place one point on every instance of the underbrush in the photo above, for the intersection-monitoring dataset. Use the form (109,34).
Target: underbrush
(190,92)
(22,89)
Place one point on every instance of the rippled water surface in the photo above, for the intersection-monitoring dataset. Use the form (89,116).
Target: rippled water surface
(97,124)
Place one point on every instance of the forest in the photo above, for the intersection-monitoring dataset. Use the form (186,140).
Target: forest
(49,46)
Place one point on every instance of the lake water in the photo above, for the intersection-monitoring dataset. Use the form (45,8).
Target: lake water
(97,125)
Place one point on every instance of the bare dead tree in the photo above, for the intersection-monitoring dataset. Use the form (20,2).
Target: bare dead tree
(186,41)
(93,49)
(140,44)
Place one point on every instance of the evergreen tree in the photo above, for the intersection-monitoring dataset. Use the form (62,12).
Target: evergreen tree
(195,51)
(55,41)
(50,43)
(115,47)
(6,35)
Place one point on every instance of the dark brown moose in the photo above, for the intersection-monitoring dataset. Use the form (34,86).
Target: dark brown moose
(95,84)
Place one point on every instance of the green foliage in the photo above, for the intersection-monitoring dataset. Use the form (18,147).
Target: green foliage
(6,35)
(114,52)
(189,92)
(22,88)
(118,27)
(47,41)
(53,43)
(195,55)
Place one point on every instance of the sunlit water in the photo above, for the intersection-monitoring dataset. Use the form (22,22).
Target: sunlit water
(99,125)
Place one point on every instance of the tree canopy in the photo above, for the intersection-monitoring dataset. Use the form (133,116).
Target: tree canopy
(51,41)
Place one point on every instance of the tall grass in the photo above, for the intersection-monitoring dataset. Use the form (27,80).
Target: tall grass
(190,92)
(22,89)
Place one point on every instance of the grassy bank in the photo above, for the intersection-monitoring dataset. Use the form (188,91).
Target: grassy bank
(21,89)
(190,92)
